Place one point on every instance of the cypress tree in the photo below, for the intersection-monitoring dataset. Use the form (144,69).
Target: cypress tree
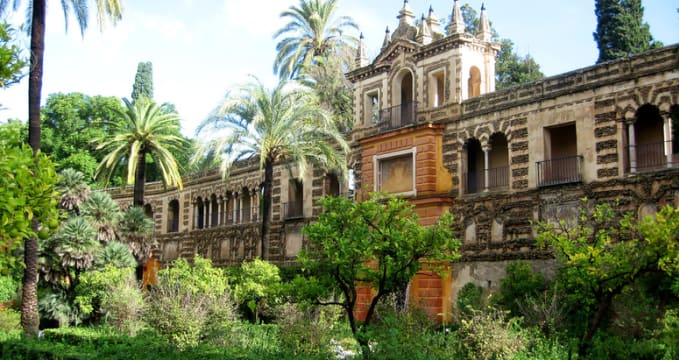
(621,30)
(143,81)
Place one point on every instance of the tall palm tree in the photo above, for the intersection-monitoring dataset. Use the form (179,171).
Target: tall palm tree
(145,129)
(312,31)
(110,9)
(274,126)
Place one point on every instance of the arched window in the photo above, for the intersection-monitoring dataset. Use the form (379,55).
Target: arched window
(498,162)
(200,214)
(332,185)
(214,211)
(474,82)
(649,142)
(173,216)
(473,178)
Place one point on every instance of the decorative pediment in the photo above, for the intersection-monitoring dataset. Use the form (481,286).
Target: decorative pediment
(394,50)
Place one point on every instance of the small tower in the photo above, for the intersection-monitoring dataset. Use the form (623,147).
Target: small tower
(361,54)
(457,23)
(483,32)
(424,33)
(434,25)
(387,38)
(406,16)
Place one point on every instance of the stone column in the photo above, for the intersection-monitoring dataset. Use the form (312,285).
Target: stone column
(220,219)
(667,137)
(254,200)
(235,207)
(486,163)
(206,215)
(240,209)
(631,138)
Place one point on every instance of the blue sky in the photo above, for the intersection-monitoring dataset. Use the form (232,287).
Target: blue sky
(201,48)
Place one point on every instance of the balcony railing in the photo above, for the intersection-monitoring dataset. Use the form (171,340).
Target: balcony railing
(559,171)
(653,156)
(293,210)
(397,116)
(498,179)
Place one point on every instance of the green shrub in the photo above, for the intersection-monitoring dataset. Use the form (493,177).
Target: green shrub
(10,323)
(54,304)
(487,335)
(189,303)
(96,285)
(470,299)
(520,283)
(609,346)
(310,331)
(255,282)
(8,288)
(410,334)
(123,306)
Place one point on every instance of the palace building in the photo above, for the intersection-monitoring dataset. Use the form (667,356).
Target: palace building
(429,126)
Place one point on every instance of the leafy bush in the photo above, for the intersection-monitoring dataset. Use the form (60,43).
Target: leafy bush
(55,305)
(470,299)
(123,306)
(310,331)
(96,285)
(8,288)
(255,281)
(520,283)
(608,346)
(487,335)
(10,320)
(410,334)
(189,303)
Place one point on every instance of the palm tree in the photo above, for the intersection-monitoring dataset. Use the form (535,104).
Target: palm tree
(145,129)
(76,244)
(273,126)
(111,9)
(136,229)
(103,213)
(73,189)
(311,32)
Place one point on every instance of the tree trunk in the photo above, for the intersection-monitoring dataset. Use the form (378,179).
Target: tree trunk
(595,322)
(30,320)
(140,180)
(266,207)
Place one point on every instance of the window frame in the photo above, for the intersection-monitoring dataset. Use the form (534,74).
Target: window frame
(392,155)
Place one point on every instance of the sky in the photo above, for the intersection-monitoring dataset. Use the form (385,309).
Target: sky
(202,48)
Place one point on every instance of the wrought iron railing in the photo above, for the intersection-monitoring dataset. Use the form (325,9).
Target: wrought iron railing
(559,171)
(397,116)
(474,182)
(653,156)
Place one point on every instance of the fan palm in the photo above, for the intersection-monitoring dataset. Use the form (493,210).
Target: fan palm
(312,31)
(111,9)
(136,229)
(273,126)
(116,254)
(145,129)
(103,213)
(73,189)
(76,243)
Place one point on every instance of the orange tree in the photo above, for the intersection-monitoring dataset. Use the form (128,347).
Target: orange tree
(377,243)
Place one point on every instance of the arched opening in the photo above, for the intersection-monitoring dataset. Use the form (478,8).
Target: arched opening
(200,214)
(247,205)
(648,143)
(332,185)
(498,162)
(474,82)
(173,216)
(148,211)
(214,211)
(473,178)
(294,208)
(403,108)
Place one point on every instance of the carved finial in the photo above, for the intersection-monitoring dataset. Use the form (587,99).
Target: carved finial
(387,38)
(484,32)
(361,54)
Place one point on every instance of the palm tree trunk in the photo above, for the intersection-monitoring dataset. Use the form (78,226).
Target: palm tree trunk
(140,180)
(266,207)
(30,320)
